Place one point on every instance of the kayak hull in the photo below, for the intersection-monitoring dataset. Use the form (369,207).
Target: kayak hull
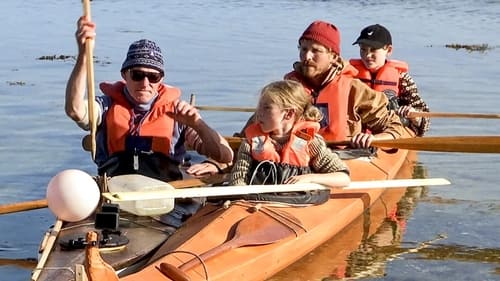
(152,248)
(309,228)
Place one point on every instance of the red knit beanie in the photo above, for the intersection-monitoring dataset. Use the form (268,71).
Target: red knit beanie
(324,33)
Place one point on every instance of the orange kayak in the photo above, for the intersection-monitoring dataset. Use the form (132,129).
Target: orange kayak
(239,240)
(254,241)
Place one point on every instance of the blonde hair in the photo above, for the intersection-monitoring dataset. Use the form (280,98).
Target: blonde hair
(290,94)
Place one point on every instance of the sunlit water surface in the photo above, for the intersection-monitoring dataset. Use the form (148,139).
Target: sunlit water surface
(224,52)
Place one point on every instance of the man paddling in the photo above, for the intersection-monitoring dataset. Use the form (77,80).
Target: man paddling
(143,125)
(350,108)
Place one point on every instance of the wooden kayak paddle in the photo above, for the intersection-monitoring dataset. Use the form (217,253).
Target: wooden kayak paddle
(27,263)
(253,230)
(23,206)
(453,115)
(164,191)
(225,108)
(42,203)
(466,144)
(89,57)
(411,114)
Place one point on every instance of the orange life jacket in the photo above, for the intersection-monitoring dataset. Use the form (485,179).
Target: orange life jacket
(332,100)
(387,77)
(295,152)
(156,125)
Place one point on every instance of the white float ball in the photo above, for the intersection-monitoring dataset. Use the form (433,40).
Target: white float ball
(72,195)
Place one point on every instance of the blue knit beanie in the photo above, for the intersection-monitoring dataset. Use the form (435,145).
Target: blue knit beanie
(144,53)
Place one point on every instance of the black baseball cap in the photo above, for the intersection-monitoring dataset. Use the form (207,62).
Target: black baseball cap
(375,36)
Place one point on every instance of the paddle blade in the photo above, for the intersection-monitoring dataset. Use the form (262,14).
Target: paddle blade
(215,191)
(466,144)
(397,183)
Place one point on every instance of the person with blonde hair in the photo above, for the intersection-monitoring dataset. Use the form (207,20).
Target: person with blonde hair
(351,109)
(282,145)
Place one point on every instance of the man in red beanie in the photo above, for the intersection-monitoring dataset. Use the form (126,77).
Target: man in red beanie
(350,107)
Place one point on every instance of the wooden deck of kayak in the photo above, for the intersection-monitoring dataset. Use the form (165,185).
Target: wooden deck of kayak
(61,263)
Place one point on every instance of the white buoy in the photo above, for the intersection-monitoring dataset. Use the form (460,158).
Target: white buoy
(72,195)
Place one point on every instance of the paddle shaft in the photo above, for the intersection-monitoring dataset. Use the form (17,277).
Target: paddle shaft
(469,144)
(23,206)
(411,114)
(187,183)
(466,144)
(254,189)
(89,56)
(206,191)
(28,263)
(225,108)
(42,203)
(453,115)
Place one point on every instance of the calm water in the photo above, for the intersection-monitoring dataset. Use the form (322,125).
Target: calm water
(224,51)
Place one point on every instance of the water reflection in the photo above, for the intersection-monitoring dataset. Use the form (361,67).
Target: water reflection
(371,257)
(375,250)
(364,249)
(385,245)
(358,247)
(461,253)
(224,51)
(370,260)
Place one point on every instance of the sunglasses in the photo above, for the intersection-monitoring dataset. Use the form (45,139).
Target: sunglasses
(139,75)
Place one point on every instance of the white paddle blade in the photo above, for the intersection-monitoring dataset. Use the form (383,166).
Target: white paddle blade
(139,183)
(209,191)
(238,190)
(397,183)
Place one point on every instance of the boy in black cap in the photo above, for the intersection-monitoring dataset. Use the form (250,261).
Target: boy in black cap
(389,76)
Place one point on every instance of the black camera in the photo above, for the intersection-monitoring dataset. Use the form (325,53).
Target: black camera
(108,219)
